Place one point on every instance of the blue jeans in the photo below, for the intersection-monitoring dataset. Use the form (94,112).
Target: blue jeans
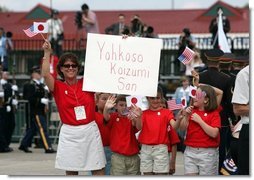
(108,154)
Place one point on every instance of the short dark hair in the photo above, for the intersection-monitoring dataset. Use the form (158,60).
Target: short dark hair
(84,7)
(120,98)
(67,56)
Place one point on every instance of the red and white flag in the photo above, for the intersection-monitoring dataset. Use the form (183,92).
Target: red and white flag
(192,92)
(222,39)
(139,101)
(184,101)
(41,27)
(30,31)
(37,27)
(186,56)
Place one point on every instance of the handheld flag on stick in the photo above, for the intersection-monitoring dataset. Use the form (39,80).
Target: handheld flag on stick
(139,101)
(37,27)
(192,92)
(30,31)
(186,56)
(174,104)
(184,101)
(40,27)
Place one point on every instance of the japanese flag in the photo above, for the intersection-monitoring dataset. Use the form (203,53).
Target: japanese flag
(40,27)
(184,101)
(192,92)
(139,101)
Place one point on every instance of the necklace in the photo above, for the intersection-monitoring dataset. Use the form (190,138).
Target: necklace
(73,90)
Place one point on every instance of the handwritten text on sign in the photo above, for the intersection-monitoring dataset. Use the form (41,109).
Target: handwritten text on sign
(122,66)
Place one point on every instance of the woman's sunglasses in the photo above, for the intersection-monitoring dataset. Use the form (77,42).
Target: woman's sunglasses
(70,65)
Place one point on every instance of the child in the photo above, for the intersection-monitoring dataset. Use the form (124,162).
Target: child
(173,141)
(172,148)
(100,99)
(202,121)
(154,136)
(123,142)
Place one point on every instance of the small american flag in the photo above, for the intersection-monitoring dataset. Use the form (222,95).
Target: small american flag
(174,104)
(30,31)
(186,56)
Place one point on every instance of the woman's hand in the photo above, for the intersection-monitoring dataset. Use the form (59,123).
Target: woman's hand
(47,47)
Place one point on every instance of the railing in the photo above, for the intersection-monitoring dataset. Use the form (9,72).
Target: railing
(204,43)
(22,115)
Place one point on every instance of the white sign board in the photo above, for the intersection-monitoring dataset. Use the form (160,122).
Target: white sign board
(122,66)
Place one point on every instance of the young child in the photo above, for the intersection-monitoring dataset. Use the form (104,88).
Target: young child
(154,136)
(202,121)
(100,99)
(172,149)
(173,141)
(123,142)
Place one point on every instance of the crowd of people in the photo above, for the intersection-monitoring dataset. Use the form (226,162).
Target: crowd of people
(100,134)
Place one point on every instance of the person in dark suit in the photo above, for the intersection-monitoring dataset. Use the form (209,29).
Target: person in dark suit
(7,108)
(117,28)
(35,93)
(220,80)
(213,27)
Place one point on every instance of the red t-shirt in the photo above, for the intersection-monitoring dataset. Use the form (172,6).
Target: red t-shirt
(196,136)
(104,129)
(173,138)
(122,137)
(154,127)
(69,96)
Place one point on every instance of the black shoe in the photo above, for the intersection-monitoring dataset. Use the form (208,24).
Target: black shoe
(25,149)
(5,150)
(50,150)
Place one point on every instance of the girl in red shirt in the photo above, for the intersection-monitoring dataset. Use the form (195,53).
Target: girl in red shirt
(202,121)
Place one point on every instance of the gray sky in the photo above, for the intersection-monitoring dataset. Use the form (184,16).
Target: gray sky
(25,5)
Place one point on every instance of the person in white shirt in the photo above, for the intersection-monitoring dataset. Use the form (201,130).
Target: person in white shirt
(56,32)
(241,100)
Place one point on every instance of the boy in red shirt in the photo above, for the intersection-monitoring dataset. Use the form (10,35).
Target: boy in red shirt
(123,142)
(154,136)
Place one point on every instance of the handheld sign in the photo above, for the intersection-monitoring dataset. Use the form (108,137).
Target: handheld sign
(123,66)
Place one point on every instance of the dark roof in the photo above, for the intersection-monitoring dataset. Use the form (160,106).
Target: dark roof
(163,21)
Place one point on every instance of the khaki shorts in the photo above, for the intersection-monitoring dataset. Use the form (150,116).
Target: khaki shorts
(154,158)
(124,165)
(203,161)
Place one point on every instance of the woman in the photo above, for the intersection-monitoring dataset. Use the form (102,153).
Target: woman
(80,146)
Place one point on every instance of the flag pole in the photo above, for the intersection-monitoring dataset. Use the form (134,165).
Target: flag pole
(42,36)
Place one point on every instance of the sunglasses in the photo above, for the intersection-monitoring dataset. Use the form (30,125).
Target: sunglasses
(70,65)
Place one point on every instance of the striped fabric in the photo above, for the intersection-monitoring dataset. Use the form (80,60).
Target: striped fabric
(30,31)
(186,56)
